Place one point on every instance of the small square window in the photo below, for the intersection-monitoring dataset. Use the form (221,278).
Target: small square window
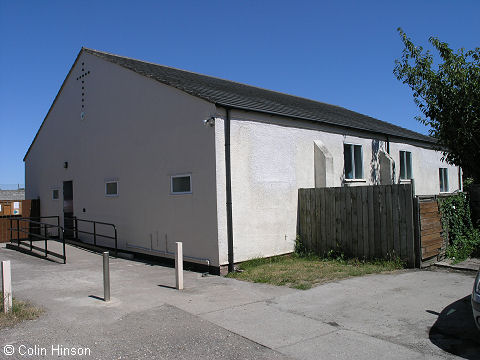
(181,184)
(443,178)
(353,158)
(406,165)
(55,194)
(111,188)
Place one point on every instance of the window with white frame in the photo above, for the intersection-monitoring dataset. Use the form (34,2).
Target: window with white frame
(55,194)
(353,158)
(111,188)
(181,184)
(443,178)
(406,165)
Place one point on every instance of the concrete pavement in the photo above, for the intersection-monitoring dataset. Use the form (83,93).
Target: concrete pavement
(470,264)
(401,315)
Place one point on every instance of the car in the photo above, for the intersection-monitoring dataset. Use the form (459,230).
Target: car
(476,300)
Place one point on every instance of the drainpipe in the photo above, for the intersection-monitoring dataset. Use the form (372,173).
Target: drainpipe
(228,176)
(388,145)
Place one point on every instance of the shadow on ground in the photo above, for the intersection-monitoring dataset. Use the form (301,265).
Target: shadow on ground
(455,331)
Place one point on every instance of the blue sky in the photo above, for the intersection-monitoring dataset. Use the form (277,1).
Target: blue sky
(339,52)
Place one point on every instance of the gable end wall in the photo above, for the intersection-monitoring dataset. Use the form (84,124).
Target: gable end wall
(139,132)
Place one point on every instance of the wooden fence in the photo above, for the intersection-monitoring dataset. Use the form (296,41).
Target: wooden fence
(29,208)
(432,241)
(364,221)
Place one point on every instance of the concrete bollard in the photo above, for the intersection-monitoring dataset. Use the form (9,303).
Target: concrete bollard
(6,286)
(179,266)
(106,276)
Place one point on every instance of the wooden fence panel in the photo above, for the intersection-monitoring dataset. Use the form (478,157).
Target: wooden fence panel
(364,221)
(430,227)
(371,223)
(28,208)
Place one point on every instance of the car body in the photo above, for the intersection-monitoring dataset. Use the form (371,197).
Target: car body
(476,300)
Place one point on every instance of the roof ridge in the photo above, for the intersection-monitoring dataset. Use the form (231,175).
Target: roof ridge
(219,78)
(310,109)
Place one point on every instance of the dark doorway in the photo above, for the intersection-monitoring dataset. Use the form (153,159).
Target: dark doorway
(68,208)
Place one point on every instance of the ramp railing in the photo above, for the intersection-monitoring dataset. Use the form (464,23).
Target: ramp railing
(25,232)
(76,230)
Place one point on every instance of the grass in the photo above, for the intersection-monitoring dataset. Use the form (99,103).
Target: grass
(21,310)
(303,272)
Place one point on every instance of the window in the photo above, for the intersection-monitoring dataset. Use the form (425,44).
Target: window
(111,188)
(353,161)
(181,184)
(55,194)
(405,165)
(443,177)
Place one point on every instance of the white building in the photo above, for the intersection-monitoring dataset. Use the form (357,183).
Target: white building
(149,148)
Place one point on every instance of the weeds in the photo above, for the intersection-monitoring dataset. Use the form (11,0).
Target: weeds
(304,271)
(21,310)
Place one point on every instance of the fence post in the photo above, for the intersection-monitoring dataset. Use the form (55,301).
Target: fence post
(106,277)
(179,266)
(11,230)
(6,286)
(417,232)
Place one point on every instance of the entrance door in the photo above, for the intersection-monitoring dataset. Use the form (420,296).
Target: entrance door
(68,208)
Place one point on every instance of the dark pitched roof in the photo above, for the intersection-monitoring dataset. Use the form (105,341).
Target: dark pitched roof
(237,95)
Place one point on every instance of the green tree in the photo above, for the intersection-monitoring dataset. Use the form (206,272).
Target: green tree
(448,95)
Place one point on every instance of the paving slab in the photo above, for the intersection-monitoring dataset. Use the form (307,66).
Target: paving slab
(268,325)
(470,264)
(399,308)
(350,345)
(164,332)
(405,314)
(139,322)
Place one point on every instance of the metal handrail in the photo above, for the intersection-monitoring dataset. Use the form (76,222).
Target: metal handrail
(39,236)
(94,233)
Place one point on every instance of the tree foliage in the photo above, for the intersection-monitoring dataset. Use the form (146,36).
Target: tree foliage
(448,95)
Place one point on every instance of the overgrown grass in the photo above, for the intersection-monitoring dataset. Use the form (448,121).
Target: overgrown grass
(21,310)
(303,272)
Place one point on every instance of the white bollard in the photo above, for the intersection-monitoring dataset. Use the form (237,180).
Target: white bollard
(6,286)
(179,266)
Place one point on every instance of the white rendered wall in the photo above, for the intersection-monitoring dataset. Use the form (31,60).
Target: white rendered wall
(425,165)
(271,160)
(139,132)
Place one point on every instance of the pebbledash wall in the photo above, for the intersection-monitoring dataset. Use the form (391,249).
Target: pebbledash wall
(139,132)
(272,157)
